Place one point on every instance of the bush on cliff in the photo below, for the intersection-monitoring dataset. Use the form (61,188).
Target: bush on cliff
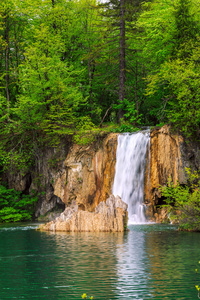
(183,202)
(14,206)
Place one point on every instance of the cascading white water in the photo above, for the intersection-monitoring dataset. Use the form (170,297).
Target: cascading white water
(129,173)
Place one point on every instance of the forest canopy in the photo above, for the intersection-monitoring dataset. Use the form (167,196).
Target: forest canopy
(68,66)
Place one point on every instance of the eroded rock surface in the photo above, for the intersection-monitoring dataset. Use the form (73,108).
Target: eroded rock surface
(170,155)
(109,216)
(84,175)
(69,173)
(88,174)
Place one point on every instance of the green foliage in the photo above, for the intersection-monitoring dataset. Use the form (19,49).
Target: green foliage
(130,111)
(50,96)
(177,80)
(171,45)
(59,71)
(14,206)
(183,80)
(186,29)
(124,127)
(48,99)
(183,202)
(86,131)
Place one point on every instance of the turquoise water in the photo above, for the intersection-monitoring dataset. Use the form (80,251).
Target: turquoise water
(148,262)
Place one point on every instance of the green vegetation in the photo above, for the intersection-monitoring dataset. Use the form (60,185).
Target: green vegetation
(77,68)
(69,67)
(183,202)
(14,206)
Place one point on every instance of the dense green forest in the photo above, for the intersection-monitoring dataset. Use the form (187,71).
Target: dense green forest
(74,68)
(67,67)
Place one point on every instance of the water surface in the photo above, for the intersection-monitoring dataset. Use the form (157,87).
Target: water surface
(148,262)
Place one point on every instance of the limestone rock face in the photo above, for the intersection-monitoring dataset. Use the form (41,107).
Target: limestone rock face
(69,173)
(170,154)
(88,174)
(82,176)
(109,216)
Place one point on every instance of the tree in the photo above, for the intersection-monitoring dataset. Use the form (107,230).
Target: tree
(11,48)
(122,55)
(85,37)
(186,29)
(122,34)
(174,79)
(48,101)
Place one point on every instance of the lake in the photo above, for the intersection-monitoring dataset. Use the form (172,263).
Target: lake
(148,262)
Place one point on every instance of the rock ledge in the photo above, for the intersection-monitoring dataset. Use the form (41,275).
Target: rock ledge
(109,216)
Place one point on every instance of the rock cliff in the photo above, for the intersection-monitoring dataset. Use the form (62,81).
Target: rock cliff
(109,216)
(87,174)
(170,155)
(69,173)
(84,175)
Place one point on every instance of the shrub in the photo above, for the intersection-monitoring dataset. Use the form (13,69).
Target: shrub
(14,206)
(183,202)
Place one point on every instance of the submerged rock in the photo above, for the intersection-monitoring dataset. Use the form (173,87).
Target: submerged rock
(109,216)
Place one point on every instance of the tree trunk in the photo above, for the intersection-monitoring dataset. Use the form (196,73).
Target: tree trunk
(7,63)
(136,96)
(90,82)
(122,63)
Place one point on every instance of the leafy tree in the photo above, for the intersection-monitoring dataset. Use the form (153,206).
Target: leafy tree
(122,53)
(173,82)
(182,92)
(48,101)
(85,38)
(68,66)
(186,29)
(156,27)
(11,48)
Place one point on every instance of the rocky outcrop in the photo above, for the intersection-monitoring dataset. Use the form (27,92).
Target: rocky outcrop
(170,155)
(87,174)
(84,175)
(69,173)
(109,216)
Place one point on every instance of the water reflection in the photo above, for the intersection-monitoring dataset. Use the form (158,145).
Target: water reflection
(90,257)
(171,258)
(148,262)
(131,266)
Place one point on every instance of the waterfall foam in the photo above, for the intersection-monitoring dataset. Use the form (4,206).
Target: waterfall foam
(129,173)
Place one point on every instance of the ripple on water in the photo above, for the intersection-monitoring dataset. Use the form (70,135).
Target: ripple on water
(11,227)
(148,262)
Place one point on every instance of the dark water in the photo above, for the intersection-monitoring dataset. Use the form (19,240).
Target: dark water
(148,262)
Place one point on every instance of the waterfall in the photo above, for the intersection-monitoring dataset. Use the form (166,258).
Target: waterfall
(129,172)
